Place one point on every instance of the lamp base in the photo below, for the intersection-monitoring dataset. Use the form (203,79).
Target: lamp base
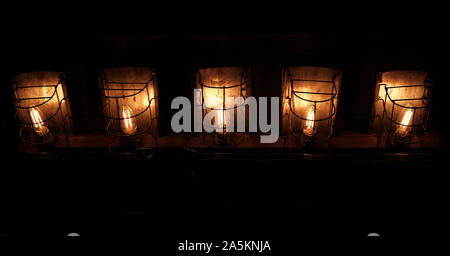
(223,139)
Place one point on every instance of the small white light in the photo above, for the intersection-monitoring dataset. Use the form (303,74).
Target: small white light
(73,234)
(373,234)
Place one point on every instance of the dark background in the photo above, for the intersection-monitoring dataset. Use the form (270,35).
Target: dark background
(290,199)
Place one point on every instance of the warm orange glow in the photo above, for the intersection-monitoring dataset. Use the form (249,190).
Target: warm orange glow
(309,123)
(407,117)
(404,128)
(220,119)
(128,122)
(38,124)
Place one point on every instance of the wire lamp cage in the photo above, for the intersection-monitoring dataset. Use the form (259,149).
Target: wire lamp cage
(130,101)
(402,107)
(217,86)
(310,100)
(42,108)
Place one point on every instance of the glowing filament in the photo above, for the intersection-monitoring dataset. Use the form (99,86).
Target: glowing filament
(405,128)
(220,121)
(309,123)
(38,124)
(128,122)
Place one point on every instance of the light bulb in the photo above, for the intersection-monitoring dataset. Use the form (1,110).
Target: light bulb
(405,125)
(221,121)
(128,121)
(308,129)
(39,126)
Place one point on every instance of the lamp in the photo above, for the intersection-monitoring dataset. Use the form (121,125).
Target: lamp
(130,101)
(401,107)
(309,104)
(216,85)
(42,107)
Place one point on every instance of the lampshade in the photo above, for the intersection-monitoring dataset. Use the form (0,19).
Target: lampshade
(130,100)
(309,104)
(42,106)
(401,107)
(218,84)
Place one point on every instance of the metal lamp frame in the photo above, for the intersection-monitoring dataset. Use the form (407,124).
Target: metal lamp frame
(332,112)
(397,103)
(61,98)
(243,87)
(104,82)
